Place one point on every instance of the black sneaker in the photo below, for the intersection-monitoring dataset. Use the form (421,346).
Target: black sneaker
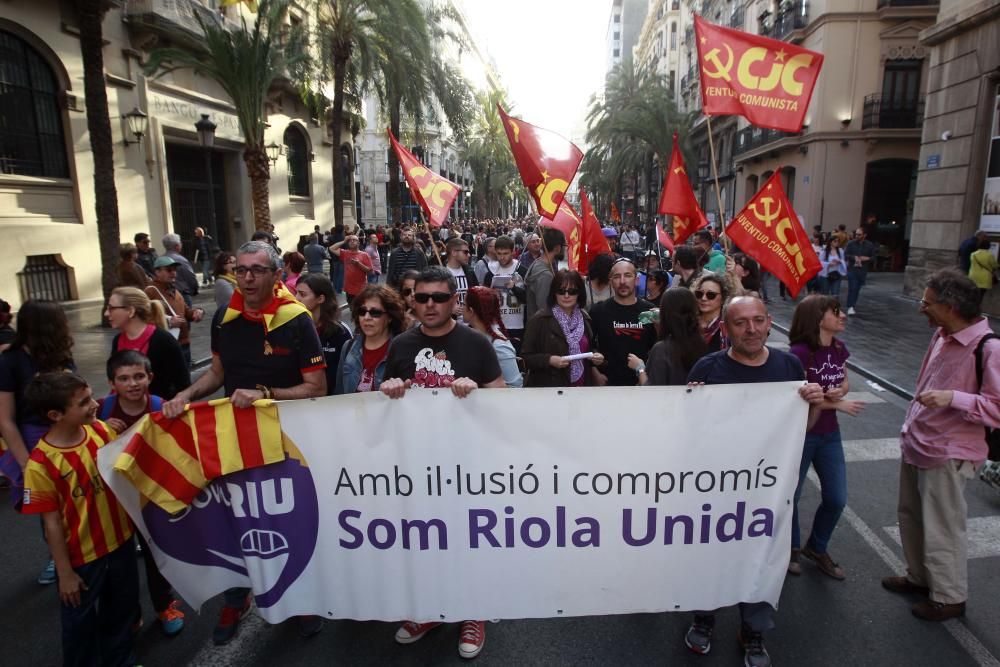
(754,653)
(698,638)
(229,622)
(309,626)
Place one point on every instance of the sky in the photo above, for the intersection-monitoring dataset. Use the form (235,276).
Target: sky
(550,55)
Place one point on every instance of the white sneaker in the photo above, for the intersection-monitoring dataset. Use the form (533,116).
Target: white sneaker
(850,311)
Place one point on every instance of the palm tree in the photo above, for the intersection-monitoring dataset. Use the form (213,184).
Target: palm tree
(488,155)
(245,63)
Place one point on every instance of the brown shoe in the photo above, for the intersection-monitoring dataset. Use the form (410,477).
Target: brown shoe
(793,563)
(937,611)
(904,585)
(825,563)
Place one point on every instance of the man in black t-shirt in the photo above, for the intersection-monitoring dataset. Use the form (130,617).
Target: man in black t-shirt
(619,332)
(264,345)
(746,322)
(441,353)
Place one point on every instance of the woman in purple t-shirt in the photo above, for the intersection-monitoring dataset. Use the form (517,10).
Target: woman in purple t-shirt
(816,321)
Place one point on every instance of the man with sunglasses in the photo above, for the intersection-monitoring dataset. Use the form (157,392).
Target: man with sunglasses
(458,266)
(441,353)
(264,345)
(405,257)
(619,331)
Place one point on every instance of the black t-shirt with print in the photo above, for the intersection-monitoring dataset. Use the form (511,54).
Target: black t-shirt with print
(720,368)
(277,360)
(436,361)
(619,334)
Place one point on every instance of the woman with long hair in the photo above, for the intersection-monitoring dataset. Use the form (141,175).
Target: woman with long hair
(565,330)
(711,291)
(747,270)
(680,345)
(294,263)
(834,266)
(315,292)
(130,274)
(599,279)
(42,343)
(482,313)
(378,315)
(142,326)
(224,270)
(407,286)
(816,322)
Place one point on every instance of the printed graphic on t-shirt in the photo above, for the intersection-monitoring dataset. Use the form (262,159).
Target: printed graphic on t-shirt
(829,374)
(463,284)
(633,330)
(432,370)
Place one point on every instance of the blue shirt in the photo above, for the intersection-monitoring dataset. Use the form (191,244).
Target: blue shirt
(720,368)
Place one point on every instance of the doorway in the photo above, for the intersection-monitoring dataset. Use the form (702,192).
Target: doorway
(889,198)
(192,198)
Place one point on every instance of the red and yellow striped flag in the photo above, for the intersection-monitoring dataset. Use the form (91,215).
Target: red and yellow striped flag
(171,460)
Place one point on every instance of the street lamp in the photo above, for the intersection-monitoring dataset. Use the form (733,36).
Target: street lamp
(206,137)
(273,151)
(137,122)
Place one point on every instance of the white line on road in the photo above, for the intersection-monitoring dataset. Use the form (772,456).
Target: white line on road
(955,628)
(864,397)
(874,449)
(240,650)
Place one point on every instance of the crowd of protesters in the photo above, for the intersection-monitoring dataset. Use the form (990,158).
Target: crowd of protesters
(493,304)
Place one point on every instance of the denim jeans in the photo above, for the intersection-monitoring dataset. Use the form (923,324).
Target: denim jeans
(855,281)
(99,631)
(826,454)
(833,286)
(337,276)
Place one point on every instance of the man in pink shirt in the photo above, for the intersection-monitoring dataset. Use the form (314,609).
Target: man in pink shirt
(943,444)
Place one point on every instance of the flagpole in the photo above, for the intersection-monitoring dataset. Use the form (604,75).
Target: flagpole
(427,228)
(718,192)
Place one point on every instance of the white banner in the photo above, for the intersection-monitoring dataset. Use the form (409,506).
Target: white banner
(507,504)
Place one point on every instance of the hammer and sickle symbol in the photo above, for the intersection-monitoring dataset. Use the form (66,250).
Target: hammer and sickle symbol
(768,215)
(721,71)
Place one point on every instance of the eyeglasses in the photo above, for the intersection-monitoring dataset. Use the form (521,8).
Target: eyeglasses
(706,295)
(438,297)
(835,310)
(375,313)
(568,291)
(256,269)
(407,291)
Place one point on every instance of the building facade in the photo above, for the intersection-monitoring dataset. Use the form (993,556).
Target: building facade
(624,25)
(166,180)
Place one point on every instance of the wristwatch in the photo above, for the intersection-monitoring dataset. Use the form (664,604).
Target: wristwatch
(639,371)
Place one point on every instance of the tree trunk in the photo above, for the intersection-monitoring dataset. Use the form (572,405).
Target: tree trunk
(337,121)
(258,169)
(91,16)
(486,196)
(394,196)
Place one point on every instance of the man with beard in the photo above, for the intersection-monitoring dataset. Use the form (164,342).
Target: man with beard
(539,277)
(619,331)
(746,322)
(405,257)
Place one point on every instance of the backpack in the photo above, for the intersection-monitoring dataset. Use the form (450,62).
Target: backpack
(109,404)
(992,434)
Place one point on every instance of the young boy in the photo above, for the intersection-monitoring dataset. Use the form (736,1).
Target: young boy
(88,532)
(129,374)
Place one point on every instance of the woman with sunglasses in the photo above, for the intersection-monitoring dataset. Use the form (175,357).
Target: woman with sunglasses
(552,336)
(711,291)
(815,324)
(378,316)
(315,292)
(482,313)
(680,344)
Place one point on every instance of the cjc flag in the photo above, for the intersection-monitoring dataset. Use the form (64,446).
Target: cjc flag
(664,238)
(767,81)
(435,193)
(768,230)
(594,240)
(569,223)
(678,200)
(547,162)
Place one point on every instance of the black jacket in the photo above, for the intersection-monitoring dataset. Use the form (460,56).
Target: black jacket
(543,338)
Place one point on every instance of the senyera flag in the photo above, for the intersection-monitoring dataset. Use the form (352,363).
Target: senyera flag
(594,240)
(768,230)
(433,192)
(569,223)
(767,81)
(546,161)
(678,200)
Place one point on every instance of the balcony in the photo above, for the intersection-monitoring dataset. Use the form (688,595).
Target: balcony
(736,20)
(177,20)
(904,9)
(750,138)
(883,4)
(891,114)
(791,17)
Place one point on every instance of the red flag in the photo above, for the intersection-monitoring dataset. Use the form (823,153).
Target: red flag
(615,215)
(569,223)
(678,200)
(594,240)
(767,81)
(664,238)
(547,162)
(768,230)
(434,193)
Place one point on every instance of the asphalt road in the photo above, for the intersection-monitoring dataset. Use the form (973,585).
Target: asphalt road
(819,622)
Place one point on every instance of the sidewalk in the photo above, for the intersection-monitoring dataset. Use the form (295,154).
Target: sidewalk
(887,338)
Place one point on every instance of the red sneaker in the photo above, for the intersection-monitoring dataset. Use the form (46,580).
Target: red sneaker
(471,641)
(410,631)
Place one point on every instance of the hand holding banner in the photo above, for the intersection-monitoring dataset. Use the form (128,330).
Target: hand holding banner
(433,192)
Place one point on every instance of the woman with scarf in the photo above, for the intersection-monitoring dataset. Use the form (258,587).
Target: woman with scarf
(711,291)
(566,330)
(482,313)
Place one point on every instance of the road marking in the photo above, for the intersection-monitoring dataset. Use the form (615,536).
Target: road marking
(983,535)
(240,650)
(966,639)
(875,449)
(863,396)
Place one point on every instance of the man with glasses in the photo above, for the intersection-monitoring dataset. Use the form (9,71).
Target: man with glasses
(458,266)
(858,254)
(405,257)
(264,345)
(441,353)
(619,331)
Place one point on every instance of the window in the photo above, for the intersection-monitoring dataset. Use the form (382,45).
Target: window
(31,126)
(616,53)
(673,36)
(618,18)
(901,84)
(617,36)
(297,152)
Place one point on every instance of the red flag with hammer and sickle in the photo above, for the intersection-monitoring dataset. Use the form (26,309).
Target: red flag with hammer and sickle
(767,81)
(768,230)
(547,162)
(434,193)
(569,223)
(664,238)
(594,240)
(678,200)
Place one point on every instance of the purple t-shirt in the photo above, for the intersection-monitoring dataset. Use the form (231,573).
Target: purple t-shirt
(826,367)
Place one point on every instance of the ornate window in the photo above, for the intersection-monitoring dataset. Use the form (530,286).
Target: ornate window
(297,150)
(31,126)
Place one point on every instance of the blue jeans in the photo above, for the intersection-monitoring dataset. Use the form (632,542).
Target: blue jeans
(99,631)
(337,276)
(826,454)
(855,281)
(833,286)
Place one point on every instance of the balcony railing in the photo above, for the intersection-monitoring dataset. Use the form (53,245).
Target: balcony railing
(754,137)
(176,17)
(736,20)
(787,20)
(907,3)
(891,114)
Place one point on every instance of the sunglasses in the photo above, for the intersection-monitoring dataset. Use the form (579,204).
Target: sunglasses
(438,297)
(407,291)
(374,312)
(568,291)
(706,295)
